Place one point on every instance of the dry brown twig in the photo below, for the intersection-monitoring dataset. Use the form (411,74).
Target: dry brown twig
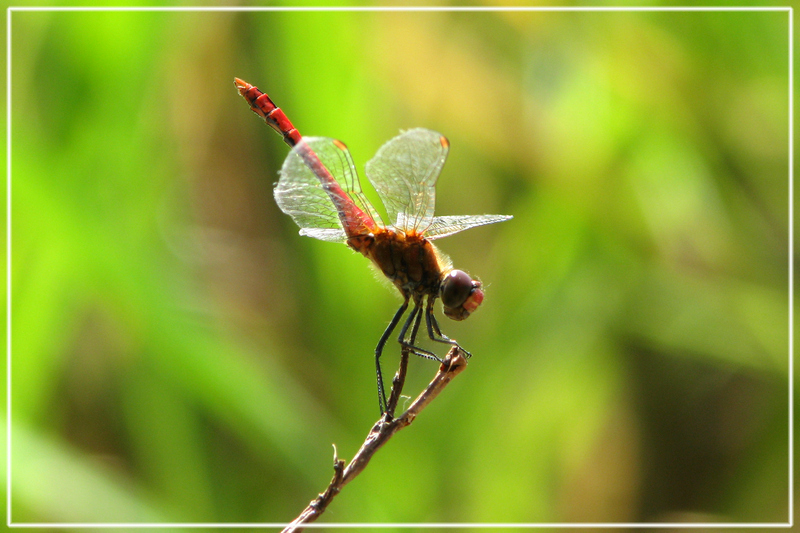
(381,432)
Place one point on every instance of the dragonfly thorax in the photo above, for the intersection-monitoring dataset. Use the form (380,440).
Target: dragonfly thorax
(409,260)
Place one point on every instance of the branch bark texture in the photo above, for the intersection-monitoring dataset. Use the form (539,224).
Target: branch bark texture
(380,433)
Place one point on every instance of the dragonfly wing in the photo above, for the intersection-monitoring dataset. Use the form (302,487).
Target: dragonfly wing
(404,173)
(319,189)
(444,226)
(325,234)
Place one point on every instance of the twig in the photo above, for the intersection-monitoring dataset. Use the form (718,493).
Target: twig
(397,383)
(381,432)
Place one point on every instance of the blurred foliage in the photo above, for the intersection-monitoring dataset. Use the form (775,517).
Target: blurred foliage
(180,354)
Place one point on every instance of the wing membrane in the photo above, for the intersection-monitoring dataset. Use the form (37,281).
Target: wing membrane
(404,173)
(319,189)
(444,226)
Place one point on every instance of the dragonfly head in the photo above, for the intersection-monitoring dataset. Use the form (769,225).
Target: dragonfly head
(461,295)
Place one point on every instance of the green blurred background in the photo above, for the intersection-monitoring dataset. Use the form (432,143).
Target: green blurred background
(180,354)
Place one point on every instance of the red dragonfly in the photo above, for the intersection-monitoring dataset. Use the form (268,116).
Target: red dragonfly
(320,190)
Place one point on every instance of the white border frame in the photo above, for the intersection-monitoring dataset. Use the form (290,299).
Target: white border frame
(9,523)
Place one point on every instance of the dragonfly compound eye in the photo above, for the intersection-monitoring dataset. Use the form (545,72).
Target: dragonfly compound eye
(461,295)
(456,288)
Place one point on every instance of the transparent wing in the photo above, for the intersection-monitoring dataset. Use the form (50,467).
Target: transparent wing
(444,226)
(319,189)
(404,173)
(325,234)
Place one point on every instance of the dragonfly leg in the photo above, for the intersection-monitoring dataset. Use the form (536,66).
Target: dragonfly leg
(379,350)
(416,318)
(435,333)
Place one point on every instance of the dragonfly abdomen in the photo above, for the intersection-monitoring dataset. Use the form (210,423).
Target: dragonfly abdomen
(263,106)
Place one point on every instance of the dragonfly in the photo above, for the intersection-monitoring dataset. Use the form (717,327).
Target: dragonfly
(320,189)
